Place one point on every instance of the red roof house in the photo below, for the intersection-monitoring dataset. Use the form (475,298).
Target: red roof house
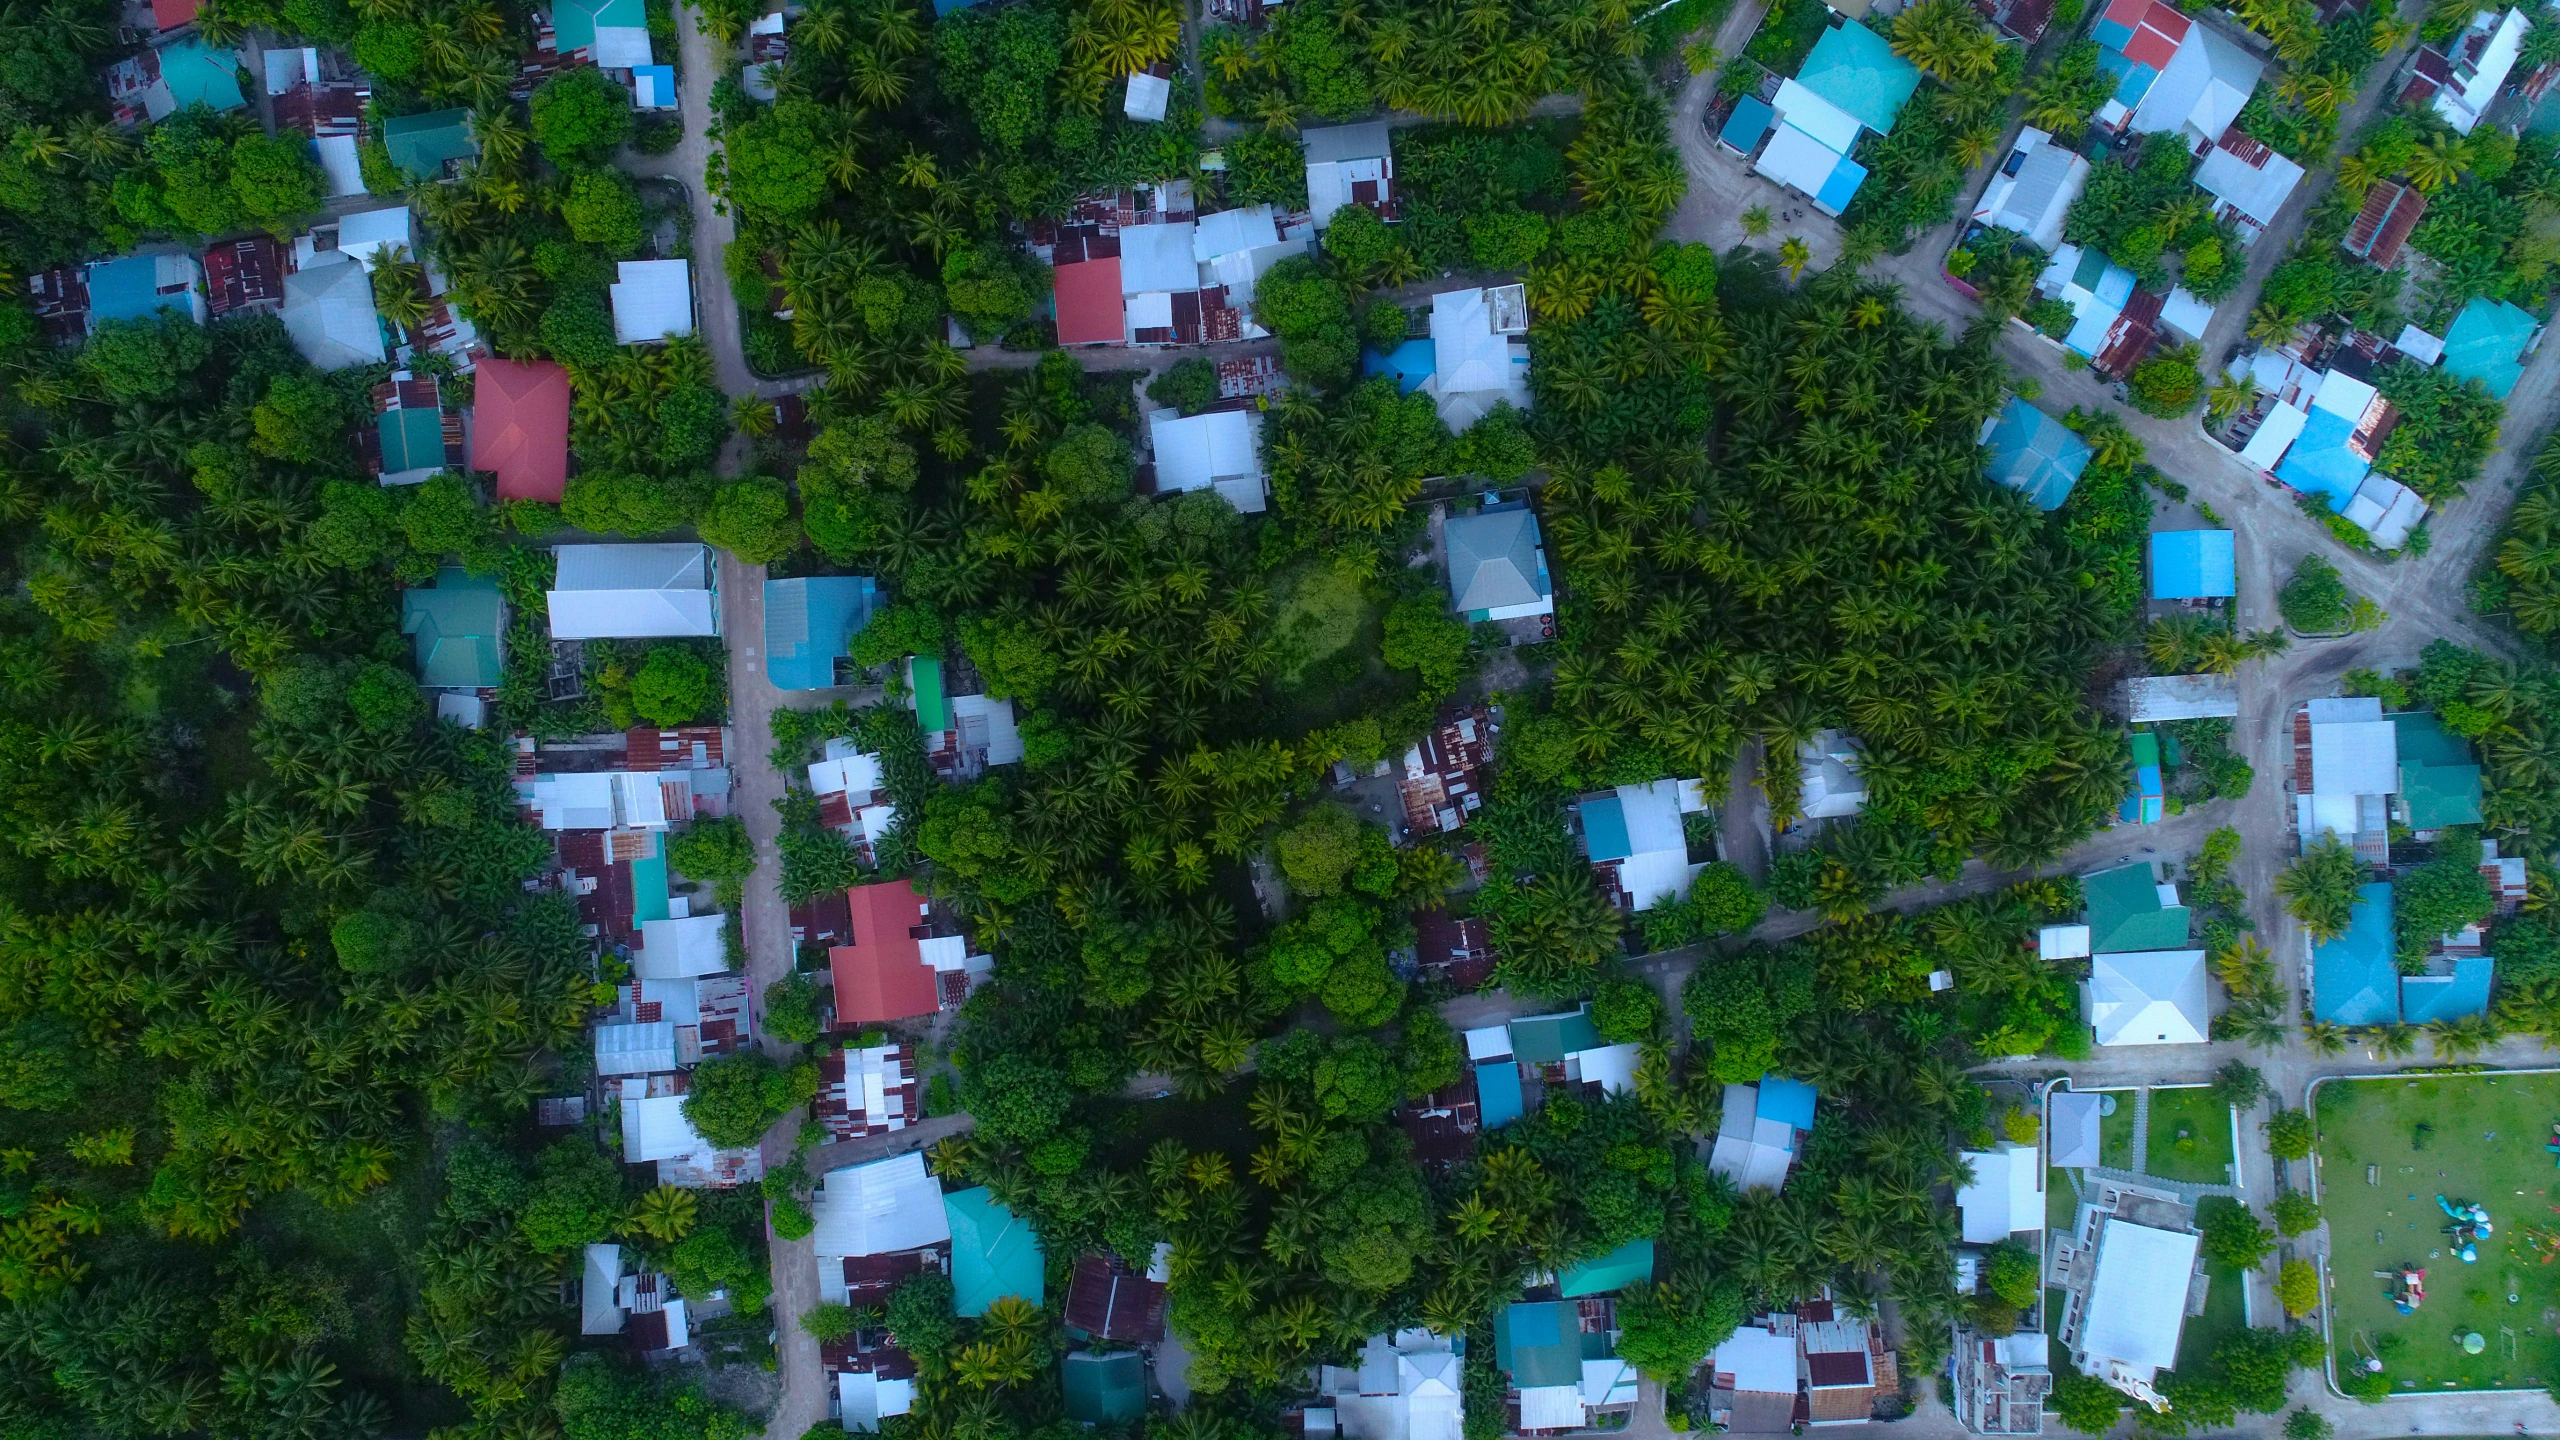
(2156,30)
(520,427)
(1089,303)
(882,975)
(170,14)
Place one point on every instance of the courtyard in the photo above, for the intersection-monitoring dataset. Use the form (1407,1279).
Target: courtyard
(2387,1149)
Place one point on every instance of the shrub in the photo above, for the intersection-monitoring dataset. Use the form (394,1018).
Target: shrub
(675,686)
(2289,1134)
(2296,1214)
(2298,1287)
(2315,600)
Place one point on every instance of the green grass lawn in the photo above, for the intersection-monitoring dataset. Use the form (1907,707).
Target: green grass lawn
(2225,1303)
(2485,1146)
(2061,1202)
(2190,1137)
(2115,1133)
(1320,612)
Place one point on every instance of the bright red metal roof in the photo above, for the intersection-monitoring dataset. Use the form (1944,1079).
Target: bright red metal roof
(881,976)
(1089,303)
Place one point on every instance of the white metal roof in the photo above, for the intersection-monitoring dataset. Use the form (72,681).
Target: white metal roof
(654,1128)
(2359,757)
(2343,395)
(2138,1298)
(2257,191)
(363,236)
(864,1399)
(2062,942)
(1799,159)
(1611,1067)
(881,1208)
(2004,1197)
(329,314)
(599,800)
(652,299)
(1231,231)
(1489,1042)
(598,1280)
(632,592)
(1157,258)
(853,774)
(1551,1407)
(681,947)
(1758,1361)
(2275,435)
(636,1049)
(1799,106)
(2148,997)
(1196,452)
(1147,97)
(338,161)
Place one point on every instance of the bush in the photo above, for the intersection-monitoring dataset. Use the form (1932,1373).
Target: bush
(2233,1238)
(2166,386)
(603,209)
(828,1322)
(2298,1287)
(675,686)
(580,117)
(716,852)
(2315,600)
(2289,1134)
(1626,1011)
(577,1195)
(2296,1214)
(736,1098)
(751,519)
(2011,1272)
(791,1009)
(1189,385)
(2308,1424)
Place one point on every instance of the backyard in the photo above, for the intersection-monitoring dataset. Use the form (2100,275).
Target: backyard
(2387,1148)
(2190,1137)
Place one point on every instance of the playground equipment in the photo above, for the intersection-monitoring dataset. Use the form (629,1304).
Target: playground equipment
(2470,1222)
(2367,1358)
(2408,1291)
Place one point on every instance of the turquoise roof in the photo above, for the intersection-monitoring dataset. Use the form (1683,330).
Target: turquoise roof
(412,439)
(2194,565)
(1539,1343)
(421,144)
(809,622)
(1789,1100)
(1853,68)
(2353,978)
(1629,1264)
(994,1252)
(128,288)
(575,22)
(649,889)
(2033,453)
(1604,827)
(2458,996)
(198,74)
(2487,344)
(1103,1389)
(1547,1039)
(457,623)
(1750,120)
(1498,1097)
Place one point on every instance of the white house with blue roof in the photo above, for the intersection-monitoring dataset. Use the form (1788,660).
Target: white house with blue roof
(136,287)
(1851,83)
(809,622)
(1762,1131)
(2321,435)
(2354,979)
(1637,843)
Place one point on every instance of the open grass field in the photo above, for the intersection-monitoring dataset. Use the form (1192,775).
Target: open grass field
(2190,1137)
(2483,1144)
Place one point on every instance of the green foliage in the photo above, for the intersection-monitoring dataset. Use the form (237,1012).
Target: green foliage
(2315,600)
(776,170)
(791,1009)
(1626,1011)
(2295,1214)
(993,288)
(2087,1405)
(1310,313)
(2441,896)
(576,1197)
(1739,1004)
(1669,1328)
(736,1098)
(2233,1238)
(132,361)
(2012,1272)
(1189,385)
(2447,428)
(2166,385)
(580,117)
(2319,889)
(2145,212)
(603,209)
(1423,637)
(599,1399)
(2290,1134)
(715,850)
(1330,850)
(751,518)
(617,503)
(674,686)
(304,419)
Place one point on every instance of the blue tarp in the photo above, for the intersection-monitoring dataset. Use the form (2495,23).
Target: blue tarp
(1498,1099)
(1845,179)
(1604,825)
(2487,344)
(2458,996)
(1411,363)
(1749,122)
(2353,978)
(1788,1100)
(2193,565)
(2320,461)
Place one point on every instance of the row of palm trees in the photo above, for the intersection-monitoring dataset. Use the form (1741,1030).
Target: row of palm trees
(1478,62)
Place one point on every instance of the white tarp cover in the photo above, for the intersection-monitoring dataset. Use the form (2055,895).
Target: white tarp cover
(2275,435)
(2003,1197)
(1758,1361)
(2355,758)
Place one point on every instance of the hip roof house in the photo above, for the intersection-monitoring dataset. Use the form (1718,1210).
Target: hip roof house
(634,592)
(2032,453)
(881,973)
(429,147)
(2034,189)
(995,1254)
(2006,1196)
(614,33)
(1638,843)
(2130,910)
(887,1207)
(1497,564)
(2354,977)
(2439,777)
(2147,997)
(457,626)
(520,427)
(329,314)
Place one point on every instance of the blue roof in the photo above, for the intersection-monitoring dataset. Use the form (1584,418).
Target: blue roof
(125,288)
(1853,68)
(198,74)
(1498,1098)
(1750,120)
(2033,453)
(2487,344)
(1538,1343)
(2133,78)
(1788,1100)
(994,1252)
(2320,461)
(1604,825)
(808,623)
(2457,996)
(1411,363)
(2193,565)
(1843,184)
(2353,978)
(1629,1264)
(649,888)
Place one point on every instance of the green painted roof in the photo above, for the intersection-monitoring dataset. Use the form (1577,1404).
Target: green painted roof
(575,22)
(421,144)
(924,684)
(649,889)
(1539,1343)
(2125,913)
(412,439)
(2439,778)
(458,625)
(1110,1389)
(994,1252)
(1547,1039)
(1629,1264)
(2146,748)
(1853,68)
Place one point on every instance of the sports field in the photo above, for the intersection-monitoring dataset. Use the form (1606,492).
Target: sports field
(2387,1149)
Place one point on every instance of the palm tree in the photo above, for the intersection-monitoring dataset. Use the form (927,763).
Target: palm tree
(1793,255)
(1756,221)
(664,1214)
(2438,163)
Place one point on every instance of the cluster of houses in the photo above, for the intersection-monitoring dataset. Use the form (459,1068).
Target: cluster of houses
(1801,132)
(1787,1370)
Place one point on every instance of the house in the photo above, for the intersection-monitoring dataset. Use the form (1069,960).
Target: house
(877,1224)
(367,236)
(1159,283)
(2151,698)
(329,314)
(2129,1275)
(1109,1300)
(414,437)
(1097,1389)
(1750,122)
(241,275)
(1563,1049)
(1442,1124)
(2328,447)
(1087,298)
(1220,450)
(1753,1378)
(520,427)
(642,1306)
(1850,83)
(2001,1384)
(2173,74)
(2251,180)
(137,287)
(431,146)
(2034,189)
(597,800)
(2130,910)
(2488,343)
(2355,979)
(167,15)
(2193,565)
(1349,165)
(1845,1365)
(599,1278)
(2455,988)
(614,34)
(2391,210)
(2073,1135)
(1545,1040)
(2024,21)
(1474,358)
(963,734)
(2439,778)
(866,1090)
(1636,837)
(1629,1264)
(160,81)
(2006,1196)
(2505,876)
(2114,323)
(809,622)
(2147,997)
(655,1131)
(1498,564)
(1148,95)
(458,627)
(768,47)
(2033,453)
(2461,78)
(883,973)
(2062,942)
(652,301)
(874,1379)
(1561,1356)
(1440,785)
(1761,1130)
(2355,767)
(633,592)
(1499,1097)
(852,800)
(995,1254)
(682,947)
(1830,787)
(2145,800)
(653,87)
(1406,1387)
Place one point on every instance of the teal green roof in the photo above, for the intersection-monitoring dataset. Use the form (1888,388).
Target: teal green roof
(2354,979)
(924,681)
(421,144)
(994,1252)
(412,439)
(1539,1343)
(1853,68)
(2487,344)
(1547,1039)
(2125,913)
(457,625)
(1108,1389)
(649,889)
(2439,779)
(575,22)
(1629,1264)
(198,74)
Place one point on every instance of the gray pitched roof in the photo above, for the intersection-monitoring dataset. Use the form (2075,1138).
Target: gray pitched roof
(1494,560)
(1346,142)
